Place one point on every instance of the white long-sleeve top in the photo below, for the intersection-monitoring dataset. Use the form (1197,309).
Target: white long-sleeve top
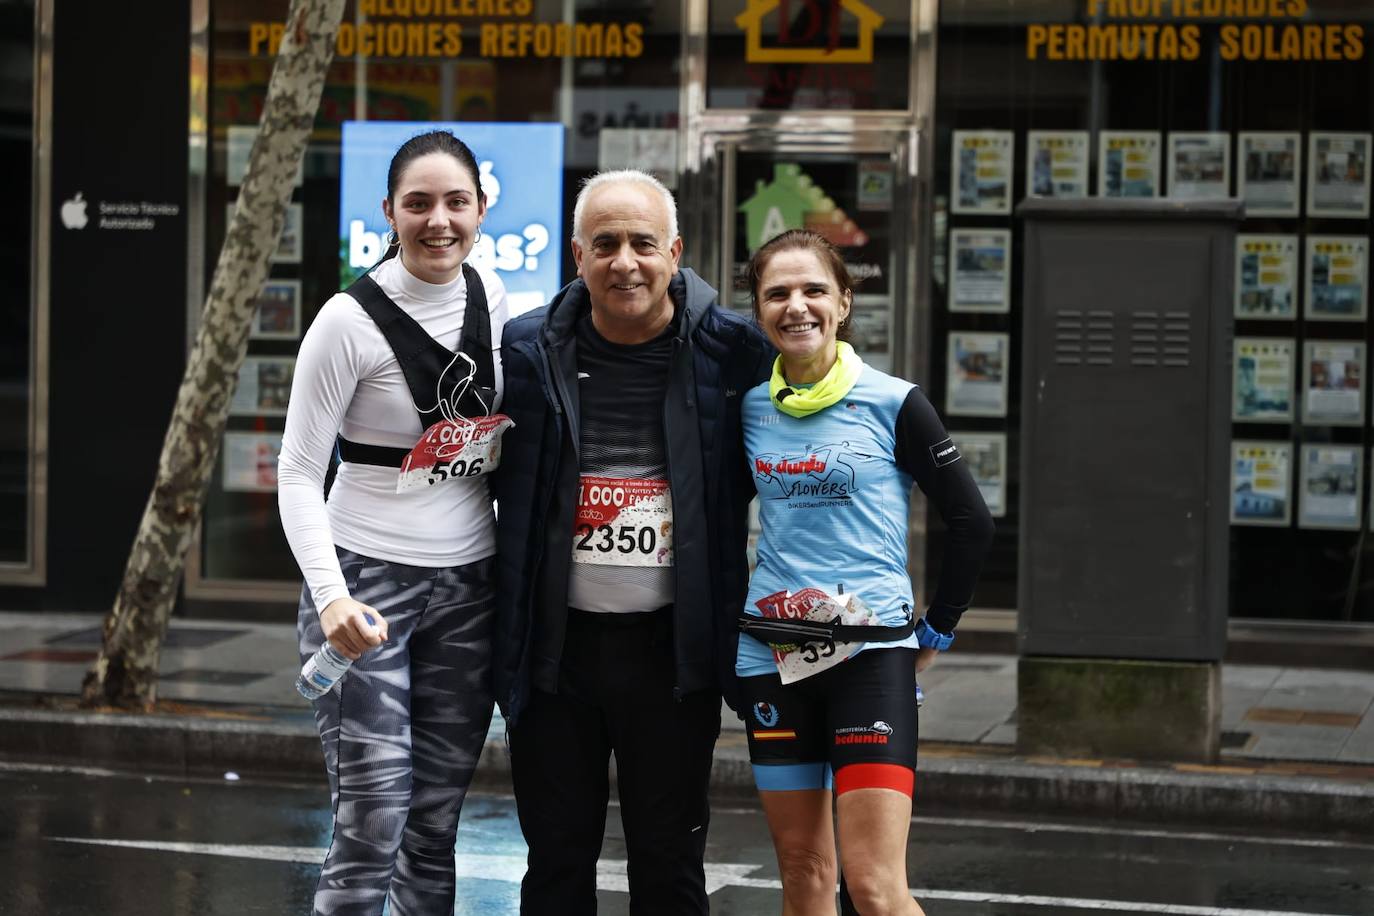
(347,381)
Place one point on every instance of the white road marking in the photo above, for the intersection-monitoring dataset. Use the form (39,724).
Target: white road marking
(1040,827)
(1087,830)
(1078,903)
(309,855)
(51,768)
(611,876)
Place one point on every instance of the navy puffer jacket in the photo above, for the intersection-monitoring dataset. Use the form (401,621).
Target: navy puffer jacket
(717,357)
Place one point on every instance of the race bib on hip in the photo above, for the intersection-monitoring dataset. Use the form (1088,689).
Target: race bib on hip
(454,450)
(802,661)
(623,521)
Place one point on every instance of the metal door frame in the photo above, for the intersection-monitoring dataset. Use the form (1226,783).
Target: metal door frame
(32,570)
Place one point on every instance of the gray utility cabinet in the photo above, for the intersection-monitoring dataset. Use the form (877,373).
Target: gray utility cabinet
(1125,427)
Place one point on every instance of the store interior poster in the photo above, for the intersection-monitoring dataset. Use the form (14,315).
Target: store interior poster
(521,167)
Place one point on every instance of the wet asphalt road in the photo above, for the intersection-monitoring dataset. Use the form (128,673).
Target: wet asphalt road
(119,845)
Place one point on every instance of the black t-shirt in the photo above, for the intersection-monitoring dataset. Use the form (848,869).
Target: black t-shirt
(621,388)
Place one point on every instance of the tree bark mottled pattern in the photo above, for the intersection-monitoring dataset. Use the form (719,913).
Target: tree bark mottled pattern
(125,672)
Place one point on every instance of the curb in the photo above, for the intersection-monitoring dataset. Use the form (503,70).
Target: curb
(176,745)
(1150,795)
(263,747)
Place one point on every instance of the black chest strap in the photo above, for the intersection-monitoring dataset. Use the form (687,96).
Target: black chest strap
(431,370)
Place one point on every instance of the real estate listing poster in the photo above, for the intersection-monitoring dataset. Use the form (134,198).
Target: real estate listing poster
(1333,382)
(976,374)
(264,387)
(1260,483)
(1262,390)
(980,171)
(1266,276)
(1128,163)
(1338,175)
(1337,274)
(277,315)
(982,270)
(1199,165)
(1057,163)
(250,462)
(1268,171)
(1330,481)
(986,454)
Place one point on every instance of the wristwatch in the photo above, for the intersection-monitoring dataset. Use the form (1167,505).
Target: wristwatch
(927,637)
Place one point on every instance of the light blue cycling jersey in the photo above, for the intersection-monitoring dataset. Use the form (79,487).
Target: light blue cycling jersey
(833,504)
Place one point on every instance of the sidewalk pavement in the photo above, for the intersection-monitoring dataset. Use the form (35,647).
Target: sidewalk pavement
(1297,743)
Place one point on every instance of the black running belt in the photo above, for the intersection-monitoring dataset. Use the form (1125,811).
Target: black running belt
(779,632)
(429,367)
(383,456)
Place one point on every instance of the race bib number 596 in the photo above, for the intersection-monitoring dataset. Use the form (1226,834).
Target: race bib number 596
(623,521)
(454,450)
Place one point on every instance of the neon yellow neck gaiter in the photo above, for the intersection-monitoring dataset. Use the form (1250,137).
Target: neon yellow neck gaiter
(802,402)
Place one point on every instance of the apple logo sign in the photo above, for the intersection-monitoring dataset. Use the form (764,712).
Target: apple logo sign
(74,213)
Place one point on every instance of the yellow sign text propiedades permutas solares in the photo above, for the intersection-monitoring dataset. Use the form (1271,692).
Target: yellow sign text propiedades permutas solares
(812,37)
(1244,29)
(445,28)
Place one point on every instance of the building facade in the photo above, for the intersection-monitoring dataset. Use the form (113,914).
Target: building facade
(904,130)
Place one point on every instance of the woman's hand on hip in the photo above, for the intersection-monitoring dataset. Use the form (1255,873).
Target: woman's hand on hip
(352,627)
(923,658)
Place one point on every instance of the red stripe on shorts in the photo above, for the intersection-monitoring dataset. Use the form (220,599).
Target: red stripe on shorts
(875,776)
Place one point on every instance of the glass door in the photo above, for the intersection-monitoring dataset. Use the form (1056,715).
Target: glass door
(853,189)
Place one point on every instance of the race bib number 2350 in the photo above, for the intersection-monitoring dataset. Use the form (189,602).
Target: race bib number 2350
(623,522)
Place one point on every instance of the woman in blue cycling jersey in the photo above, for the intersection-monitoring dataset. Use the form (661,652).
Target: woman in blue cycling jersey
(831,642)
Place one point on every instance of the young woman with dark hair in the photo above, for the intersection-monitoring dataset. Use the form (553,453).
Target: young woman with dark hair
(398,577)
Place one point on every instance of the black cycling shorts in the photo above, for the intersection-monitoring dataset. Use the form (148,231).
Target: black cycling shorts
(857,721)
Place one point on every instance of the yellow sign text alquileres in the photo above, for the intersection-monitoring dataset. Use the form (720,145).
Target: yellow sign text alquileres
(445,28)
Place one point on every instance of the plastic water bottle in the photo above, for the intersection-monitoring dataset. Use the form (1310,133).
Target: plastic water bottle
(920,697)
(324,669)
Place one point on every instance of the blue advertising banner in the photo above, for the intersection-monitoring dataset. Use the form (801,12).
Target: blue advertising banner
(522,175)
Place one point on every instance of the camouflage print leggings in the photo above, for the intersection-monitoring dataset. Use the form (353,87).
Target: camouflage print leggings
(401,734)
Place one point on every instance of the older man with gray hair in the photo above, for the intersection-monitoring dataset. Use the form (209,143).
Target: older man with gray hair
(622,522)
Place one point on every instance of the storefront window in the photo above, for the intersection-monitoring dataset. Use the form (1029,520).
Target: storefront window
(16,310)
(604,76)
(1188,99)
